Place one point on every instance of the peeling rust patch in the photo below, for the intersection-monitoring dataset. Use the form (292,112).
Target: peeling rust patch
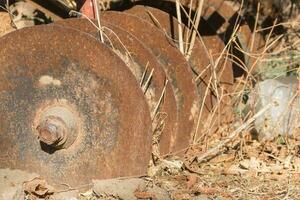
(48,80)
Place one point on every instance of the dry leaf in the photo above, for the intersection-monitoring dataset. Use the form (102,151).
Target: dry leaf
(38,187)
(144,195)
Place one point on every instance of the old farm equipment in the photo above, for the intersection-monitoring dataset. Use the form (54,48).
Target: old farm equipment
(80,102)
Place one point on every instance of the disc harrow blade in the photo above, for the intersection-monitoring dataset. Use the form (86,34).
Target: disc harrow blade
(76,108)
(71,111)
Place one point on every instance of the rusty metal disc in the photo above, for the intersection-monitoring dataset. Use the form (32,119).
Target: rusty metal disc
(175,66)
(199,59)
(138,59)
(211,35)
(70,108)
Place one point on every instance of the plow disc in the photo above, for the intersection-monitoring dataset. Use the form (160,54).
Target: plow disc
(68,113)
(74,108)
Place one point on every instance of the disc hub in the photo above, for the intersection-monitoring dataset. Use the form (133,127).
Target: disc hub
(56,126)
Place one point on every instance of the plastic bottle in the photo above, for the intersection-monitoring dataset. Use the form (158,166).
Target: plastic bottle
(283,116)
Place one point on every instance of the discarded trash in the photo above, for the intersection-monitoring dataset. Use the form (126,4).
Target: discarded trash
(282,118)
(38,187)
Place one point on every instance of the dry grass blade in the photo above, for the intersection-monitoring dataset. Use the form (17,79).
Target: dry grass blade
(98,20)
(160,99)
(202,72)
(148,81)
(188,33)
(195,29)
(255,27)
(144,74)
(180,32)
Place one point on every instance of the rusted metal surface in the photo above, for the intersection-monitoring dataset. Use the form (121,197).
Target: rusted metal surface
(140,58)
(46,69)
(177,70)
(199,59)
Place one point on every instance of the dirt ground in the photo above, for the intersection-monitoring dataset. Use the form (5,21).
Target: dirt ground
(243,168)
